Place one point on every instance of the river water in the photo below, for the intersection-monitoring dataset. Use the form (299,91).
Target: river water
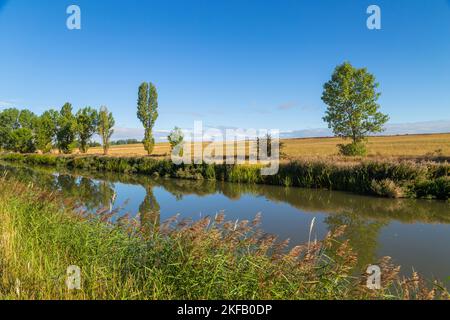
(415,233)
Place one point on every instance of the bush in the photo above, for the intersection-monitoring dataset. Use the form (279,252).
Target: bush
(387,188)
(210,172)
(433,189)
(353,149)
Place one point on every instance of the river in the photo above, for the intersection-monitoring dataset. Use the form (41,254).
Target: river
(415,233)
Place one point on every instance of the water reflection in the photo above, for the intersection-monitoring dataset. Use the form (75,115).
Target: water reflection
(415,232)
(362,234)
(149,211)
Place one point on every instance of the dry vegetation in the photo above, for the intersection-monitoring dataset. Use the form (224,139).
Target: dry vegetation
(389,146)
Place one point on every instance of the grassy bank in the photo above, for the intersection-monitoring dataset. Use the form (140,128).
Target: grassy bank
(209,259)
(389,178)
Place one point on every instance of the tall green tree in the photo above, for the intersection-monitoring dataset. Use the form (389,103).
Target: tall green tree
(86,126)
(148,113)
(66,132)
(46,130)
(17,130)
(351,96)
(105,128)
(8,122)
(22,140)
(27,119)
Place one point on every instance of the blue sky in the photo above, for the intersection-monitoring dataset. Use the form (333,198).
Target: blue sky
(239,63)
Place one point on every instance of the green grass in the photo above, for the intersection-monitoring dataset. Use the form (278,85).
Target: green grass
(209,259)
(384,178)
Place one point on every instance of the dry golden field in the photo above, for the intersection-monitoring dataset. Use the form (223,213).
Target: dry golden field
(389,146)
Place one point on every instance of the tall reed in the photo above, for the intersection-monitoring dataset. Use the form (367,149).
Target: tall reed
(208,259)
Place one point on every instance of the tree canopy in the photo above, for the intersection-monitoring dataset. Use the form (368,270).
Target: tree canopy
(351,96)
(86,126)
(66,133)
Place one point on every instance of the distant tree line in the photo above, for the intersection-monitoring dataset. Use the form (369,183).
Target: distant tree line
(125,142)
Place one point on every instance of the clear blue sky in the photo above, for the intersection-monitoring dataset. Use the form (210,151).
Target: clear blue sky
(243,63)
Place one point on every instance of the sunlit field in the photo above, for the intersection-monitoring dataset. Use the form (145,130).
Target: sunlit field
(405,145)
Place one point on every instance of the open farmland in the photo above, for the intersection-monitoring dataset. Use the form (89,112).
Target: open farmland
(388,146)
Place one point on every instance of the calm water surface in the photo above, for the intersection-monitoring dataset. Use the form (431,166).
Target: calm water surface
(415,233)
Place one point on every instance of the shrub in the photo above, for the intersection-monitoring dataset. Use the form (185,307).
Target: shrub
(210,172)
(353,149)
(434,189)
(387,188)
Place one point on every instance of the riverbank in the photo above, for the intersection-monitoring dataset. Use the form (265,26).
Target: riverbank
(388,178)
(208,259)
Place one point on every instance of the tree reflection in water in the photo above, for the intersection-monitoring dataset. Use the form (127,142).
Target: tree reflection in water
(361,233)
(149,212)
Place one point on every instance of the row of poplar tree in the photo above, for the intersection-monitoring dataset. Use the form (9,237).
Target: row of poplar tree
(25,132)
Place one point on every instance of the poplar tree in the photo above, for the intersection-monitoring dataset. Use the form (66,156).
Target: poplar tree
(105,128)
(147,112)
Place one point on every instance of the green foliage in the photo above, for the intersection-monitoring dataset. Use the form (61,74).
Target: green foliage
(86,126)
(125,142)
(434,189)
(353,149)
(22,140)
(351,96)
(27,119)
(17,130)
(387,188)
(46,130)
(210,172)
(8,123)
(147,112)
(105,127)
(67,128)
(176,139)
(244,174)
